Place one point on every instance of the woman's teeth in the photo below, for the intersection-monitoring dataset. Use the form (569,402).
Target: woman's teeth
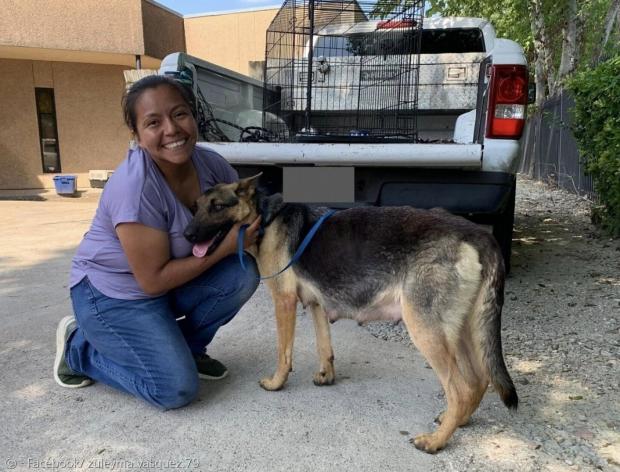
(175,144)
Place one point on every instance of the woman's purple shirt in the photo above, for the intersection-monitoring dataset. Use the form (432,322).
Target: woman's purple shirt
(138,193)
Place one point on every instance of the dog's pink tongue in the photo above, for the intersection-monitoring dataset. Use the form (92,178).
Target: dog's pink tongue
(200,249)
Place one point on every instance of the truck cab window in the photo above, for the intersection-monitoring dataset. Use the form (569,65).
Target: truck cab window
(391,42)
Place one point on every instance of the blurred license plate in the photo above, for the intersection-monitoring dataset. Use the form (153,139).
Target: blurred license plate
(319,184)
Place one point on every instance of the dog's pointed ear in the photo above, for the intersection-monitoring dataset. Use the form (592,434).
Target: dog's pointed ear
(269,206)
(248,185)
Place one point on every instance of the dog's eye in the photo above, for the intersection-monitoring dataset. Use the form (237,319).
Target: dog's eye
(218,207)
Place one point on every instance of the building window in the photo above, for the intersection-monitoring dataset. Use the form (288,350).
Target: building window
(48,131)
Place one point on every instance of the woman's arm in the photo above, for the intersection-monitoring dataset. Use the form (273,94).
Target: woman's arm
(148,253)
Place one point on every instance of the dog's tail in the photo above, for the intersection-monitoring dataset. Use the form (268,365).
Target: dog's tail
(489,325)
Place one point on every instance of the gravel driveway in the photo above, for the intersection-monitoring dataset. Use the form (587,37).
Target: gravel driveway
(561,333)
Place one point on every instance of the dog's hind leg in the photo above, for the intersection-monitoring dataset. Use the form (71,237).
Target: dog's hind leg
(433,343)
(473,374)
(286,310)
(326,374)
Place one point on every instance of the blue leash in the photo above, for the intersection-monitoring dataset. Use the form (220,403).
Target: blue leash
(298,253)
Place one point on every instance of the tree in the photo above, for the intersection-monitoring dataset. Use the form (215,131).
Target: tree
(612,17)
(571,34)
(543,72)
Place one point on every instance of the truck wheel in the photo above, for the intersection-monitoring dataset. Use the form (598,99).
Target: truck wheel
(502,228)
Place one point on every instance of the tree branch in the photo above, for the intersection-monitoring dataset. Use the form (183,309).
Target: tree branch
(544,68)
(570,36)
(613,15)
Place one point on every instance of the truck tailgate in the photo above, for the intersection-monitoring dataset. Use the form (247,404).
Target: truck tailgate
(339,154)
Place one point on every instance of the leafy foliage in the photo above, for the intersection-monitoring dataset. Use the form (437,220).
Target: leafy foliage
(597,130)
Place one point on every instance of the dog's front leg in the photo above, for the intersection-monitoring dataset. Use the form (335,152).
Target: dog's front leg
(286,309)
(326,374)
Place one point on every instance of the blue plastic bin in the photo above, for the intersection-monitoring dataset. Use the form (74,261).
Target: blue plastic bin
(65,184)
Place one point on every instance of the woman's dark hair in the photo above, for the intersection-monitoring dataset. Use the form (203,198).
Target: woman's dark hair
(132,95)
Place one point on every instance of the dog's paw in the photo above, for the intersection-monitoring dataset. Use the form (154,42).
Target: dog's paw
(427,442)
(270,384)
(321,379)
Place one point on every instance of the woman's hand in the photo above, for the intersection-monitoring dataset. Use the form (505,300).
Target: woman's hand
(228,245)
(251,234)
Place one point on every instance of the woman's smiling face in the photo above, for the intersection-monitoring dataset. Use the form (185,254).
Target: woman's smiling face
(165,127)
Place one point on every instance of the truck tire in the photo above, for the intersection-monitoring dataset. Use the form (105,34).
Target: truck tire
(503,226)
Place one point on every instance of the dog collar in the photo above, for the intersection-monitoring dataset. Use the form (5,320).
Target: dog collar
(302,247)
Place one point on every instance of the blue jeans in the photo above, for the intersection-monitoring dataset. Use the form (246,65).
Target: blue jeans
(139,347)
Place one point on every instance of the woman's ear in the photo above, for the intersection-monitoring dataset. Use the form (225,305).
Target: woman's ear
(135,137)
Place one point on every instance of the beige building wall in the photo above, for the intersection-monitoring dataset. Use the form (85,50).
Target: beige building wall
(91,132)
(84,25)
(80,49)
(164,31)
(20,155)
(230,40)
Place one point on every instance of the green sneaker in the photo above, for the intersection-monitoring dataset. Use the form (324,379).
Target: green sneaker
(63,375)
(210,369)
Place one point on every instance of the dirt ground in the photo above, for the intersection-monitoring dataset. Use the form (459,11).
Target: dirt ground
(561,334)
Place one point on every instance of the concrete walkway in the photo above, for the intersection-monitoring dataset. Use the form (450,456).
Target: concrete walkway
(383,395)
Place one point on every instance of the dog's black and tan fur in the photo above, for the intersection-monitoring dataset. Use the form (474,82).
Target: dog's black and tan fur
(442,275)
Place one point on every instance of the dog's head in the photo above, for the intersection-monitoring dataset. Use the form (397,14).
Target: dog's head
(218,209)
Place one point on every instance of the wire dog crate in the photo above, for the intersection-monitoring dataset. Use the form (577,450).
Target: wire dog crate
(347,71)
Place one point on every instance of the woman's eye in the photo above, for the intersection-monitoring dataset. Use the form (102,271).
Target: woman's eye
(150,124)
(181,114)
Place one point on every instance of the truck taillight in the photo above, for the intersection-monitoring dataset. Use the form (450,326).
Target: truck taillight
(507,101)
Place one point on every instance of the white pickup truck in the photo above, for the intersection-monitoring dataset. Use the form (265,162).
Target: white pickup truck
(472,98)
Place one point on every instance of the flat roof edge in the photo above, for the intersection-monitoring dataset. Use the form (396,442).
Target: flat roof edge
(230,12)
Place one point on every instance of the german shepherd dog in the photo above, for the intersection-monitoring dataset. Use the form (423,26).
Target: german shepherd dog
(442,275)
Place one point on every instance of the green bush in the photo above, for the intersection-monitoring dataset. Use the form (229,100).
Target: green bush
(596,126)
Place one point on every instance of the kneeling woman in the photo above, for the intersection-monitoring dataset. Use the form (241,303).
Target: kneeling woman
(145,307)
